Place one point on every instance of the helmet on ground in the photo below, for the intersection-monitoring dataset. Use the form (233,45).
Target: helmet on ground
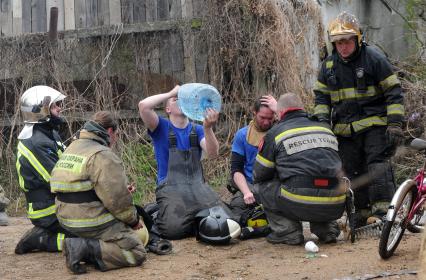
(143,235)
(36,102)
(215,226)
(344,26)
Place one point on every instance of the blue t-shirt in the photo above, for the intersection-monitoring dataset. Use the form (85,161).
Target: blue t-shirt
(249,152)
(160,137)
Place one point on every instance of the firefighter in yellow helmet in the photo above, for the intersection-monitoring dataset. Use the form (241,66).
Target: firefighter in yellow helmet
(360,96)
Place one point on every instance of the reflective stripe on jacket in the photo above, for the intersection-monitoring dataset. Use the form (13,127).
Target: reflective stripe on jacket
(297,168)
(88,165)
(36,157)
(359,93)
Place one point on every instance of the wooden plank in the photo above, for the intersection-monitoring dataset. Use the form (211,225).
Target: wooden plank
(165,54)
(38,16)
(6,18)
(80,13)
(69,15)
(154,59)
(175,9)
(26,16)
(176,52)
(103,12)
(114,12)
(17,17)
(60,5)
(201,65)
(186,6)
(189,60)
(127,11)
(163,9)
(139,11)
(151,10)
(91,13)
(199,8)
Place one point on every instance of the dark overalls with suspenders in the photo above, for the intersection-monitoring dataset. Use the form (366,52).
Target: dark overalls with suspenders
(184,192)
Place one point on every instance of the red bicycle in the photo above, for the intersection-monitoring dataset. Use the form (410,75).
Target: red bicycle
(406,208)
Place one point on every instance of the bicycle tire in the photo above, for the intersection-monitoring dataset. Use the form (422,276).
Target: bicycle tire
(393,230)
(413,225)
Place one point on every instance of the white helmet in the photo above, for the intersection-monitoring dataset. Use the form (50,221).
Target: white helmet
(36,102)
(35,107)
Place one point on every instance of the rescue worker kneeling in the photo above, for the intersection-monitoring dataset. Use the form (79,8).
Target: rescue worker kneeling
(93,201)
(296,176)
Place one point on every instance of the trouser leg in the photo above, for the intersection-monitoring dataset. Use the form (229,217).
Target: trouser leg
(327,232)
(351,151)
(382,186)
(283,229)
(239,207)
(119,246)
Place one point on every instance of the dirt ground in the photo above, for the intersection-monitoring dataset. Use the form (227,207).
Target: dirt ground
(251,259)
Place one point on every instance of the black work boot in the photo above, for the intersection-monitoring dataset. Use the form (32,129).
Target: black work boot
(279,238)
(75,251)
(156,244)
(95,254)
(33,240)
(79,250)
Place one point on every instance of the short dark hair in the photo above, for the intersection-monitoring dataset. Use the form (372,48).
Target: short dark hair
(105,119)
(258,104)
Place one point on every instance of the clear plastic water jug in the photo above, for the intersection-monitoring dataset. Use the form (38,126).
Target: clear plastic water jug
(195,98)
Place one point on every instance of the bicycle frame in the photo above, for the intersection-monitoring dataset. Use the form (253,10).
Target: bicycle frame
(419,196)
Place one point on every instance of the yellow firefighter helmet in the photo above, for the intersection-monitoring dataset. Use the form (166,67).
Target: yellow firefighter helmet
(143,235)
(344,26)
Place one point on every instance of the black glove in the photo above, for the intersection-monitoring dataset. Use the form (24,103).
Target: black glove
(394,135)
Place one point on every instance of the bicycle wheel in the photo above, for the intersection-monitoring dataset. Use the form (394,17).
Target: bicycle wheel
(393,230)
(414,226)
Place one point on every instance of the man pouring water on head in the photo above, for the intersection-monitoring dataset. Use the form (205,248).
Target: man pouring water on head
(183,197)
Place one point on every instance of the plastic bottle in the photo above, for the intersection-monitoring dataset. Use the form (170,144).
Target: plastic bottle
(195,98)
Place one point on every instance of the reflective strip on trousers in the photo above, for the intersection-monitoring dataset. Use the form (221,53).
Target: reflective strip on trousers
(18,169)
(87,223)
(130,258)
(37,214)
(33,161)
(78,186)
(313,199)
(59,239)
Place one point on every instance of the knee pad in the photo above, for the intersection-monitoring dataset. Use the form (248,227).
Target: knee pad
(215,226)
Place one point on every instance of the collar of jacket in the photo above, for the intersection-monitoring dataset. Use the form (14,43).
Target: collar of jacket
(285,113)
(92,130)
(298,112)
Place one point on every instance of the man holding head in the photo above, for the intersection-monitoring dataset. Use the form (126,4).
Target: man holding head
(296,176)
(244,150)
(360,96)
(182,195)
